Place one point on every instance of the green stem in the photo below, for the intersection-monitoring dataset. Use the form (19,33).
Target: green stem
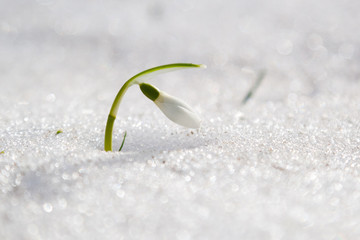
(108,133)
(137,79)
(112,115)
(123,141)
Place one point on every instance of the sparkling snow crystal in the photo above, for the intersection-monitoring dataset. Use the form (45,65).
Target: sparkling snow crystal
(286,165)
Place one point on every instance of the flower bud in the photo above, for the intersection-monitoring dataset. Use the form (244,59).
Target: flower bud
(175,109)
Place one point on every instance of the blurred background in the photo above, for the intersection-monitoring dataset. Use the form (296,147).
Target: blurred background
(285,166)
(306,46)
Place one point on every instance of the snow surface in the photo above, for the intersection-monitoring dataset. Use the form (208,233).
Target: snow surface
(284,166)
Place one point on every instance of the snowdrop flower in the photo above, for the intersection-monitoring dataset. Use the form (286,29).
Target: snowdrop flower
(175,109)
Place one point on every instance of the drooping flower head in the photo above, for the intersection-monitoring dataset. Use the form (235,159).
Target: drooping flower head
(175,109)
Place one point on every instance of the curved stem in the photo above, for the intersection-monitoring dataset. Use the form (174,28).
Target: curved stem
(108,133)
(112,116)
(137,79)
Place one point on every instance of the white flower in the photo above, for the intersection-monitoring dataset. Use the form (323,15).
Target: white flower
(175,109)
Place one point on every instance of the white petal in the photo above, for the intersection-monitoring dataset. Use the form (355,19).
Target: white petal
(177,111)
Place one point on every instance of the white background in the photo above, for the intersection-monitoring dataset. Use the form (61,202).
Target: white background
(284,166)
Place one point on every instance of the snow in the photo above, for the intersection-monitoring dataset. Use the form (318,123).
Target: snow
(284,166)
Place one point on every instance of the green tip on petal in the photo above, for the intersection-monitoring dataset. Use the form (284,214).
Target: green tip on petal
(149,91)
